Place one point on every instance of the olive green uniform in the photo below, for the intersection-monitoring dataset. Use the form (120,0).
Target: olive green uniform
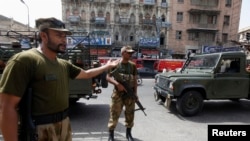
(48,79)
(127,72)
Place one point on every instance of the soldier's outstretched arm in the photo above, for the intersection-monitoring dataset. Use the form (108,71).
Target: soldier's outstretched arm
(85,74)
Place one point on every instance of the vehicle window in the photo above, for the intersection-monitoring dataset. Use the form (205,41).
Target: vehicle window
(205,62)
(230,65)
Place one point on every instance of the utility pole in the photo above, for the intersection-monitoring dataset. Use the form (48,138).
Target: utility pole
(28,14)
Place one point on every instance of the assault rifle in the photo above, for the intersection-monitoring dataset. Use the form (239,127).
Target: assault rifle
(26,126)
(130,91)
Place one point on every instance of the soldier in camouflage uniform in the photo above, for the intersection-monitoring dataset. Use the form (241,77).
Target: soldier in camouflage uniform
(128,72)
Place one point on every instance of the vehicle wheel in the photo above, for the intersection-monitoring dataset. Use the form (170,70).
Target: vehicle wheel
(190,103)
(156,96)
(104,81)
(139,81)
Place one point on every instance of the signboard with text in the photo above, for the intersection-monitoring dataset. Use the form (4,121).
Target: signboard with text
(99,41)
(149,42)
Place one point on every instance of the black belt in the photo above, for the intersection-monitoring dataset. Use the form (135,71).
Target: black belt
(50,118)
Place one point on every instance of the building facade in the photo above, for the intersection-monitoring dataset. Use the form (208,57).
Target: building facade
(244,39)
(14,33)
(154,28)
(200,23)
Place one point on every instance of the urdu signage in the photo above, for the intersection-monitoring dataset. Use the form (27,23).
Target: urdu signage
(149,42)
(99,41)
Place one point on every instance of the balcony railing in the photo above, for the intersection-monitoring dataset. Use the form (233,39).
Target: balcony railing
(100,20)
(165,24)
(101,1)
(124,20)
(148,22)
(74,19)
(125,1)
(148,2)
(203,26)
(164,4)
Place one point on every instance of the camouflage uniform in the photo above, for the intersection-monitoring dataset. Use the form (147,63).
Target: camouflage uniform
(119,99)
(116,108)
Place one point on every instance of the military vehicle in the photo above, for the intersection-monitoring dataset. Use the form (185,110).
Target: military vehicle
(216,76)
(78,55)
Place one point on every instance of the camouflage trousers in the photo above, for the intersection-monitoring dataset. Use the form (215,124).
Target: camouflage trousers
(116,106)
(60,131)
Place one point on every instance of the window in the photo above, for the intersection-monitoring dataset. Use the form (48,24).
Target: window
(195,18)
(162,40)
(108,17)
(179,16)
(226,20)
(116,37)
(224,37)
(180,1)
(212,19)
(131,38)
(228,3)
(193,36)
(207,37)
(178,35)
(230,65)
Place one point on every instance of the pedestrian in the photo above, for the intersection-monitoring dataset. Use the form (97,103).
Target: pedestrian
(48,76)
(126,70)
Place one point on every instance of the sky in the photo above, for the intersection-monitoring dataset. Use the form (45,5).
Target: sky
(52,8)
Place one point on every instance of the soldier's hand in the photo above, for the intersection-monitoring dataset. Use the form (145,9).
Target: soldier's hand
(121,88)
(112,64)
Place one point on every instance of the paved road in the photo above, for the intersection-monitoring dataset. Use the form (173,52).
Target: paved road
(89,118)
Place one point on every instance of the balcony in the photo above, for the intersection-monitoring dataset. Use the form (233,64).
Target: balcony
(125,1)
(124,20)
(203,27)
(201,11)
(100,20)
(74,19)
(148,22)
(148,2)
(165,24)
(164,4)
(100,1)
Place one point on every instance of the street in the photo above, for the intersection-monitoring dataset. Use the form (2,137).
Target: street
(89,118)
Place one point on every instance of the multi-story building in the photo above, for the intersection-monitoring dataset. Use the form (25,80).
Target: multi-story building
(199,23)
(244,39)
(12,32)
(157,28)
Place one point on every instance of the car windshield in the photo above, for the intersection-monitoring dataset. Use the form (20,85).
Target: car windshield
(203,62)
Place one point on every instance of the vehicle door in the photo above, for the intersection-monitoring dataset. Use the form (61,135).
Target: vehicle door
(233,82)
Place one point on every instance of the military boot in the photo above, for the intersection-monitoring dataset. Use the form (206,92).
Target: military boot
(128,135)
(111,135)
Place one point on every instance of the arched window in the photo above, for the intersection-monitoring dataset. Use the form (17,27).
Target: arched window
(108,17)
(83,15)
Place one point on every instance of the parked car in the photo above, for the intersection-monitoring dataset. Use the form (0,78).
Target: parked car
(147,72)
